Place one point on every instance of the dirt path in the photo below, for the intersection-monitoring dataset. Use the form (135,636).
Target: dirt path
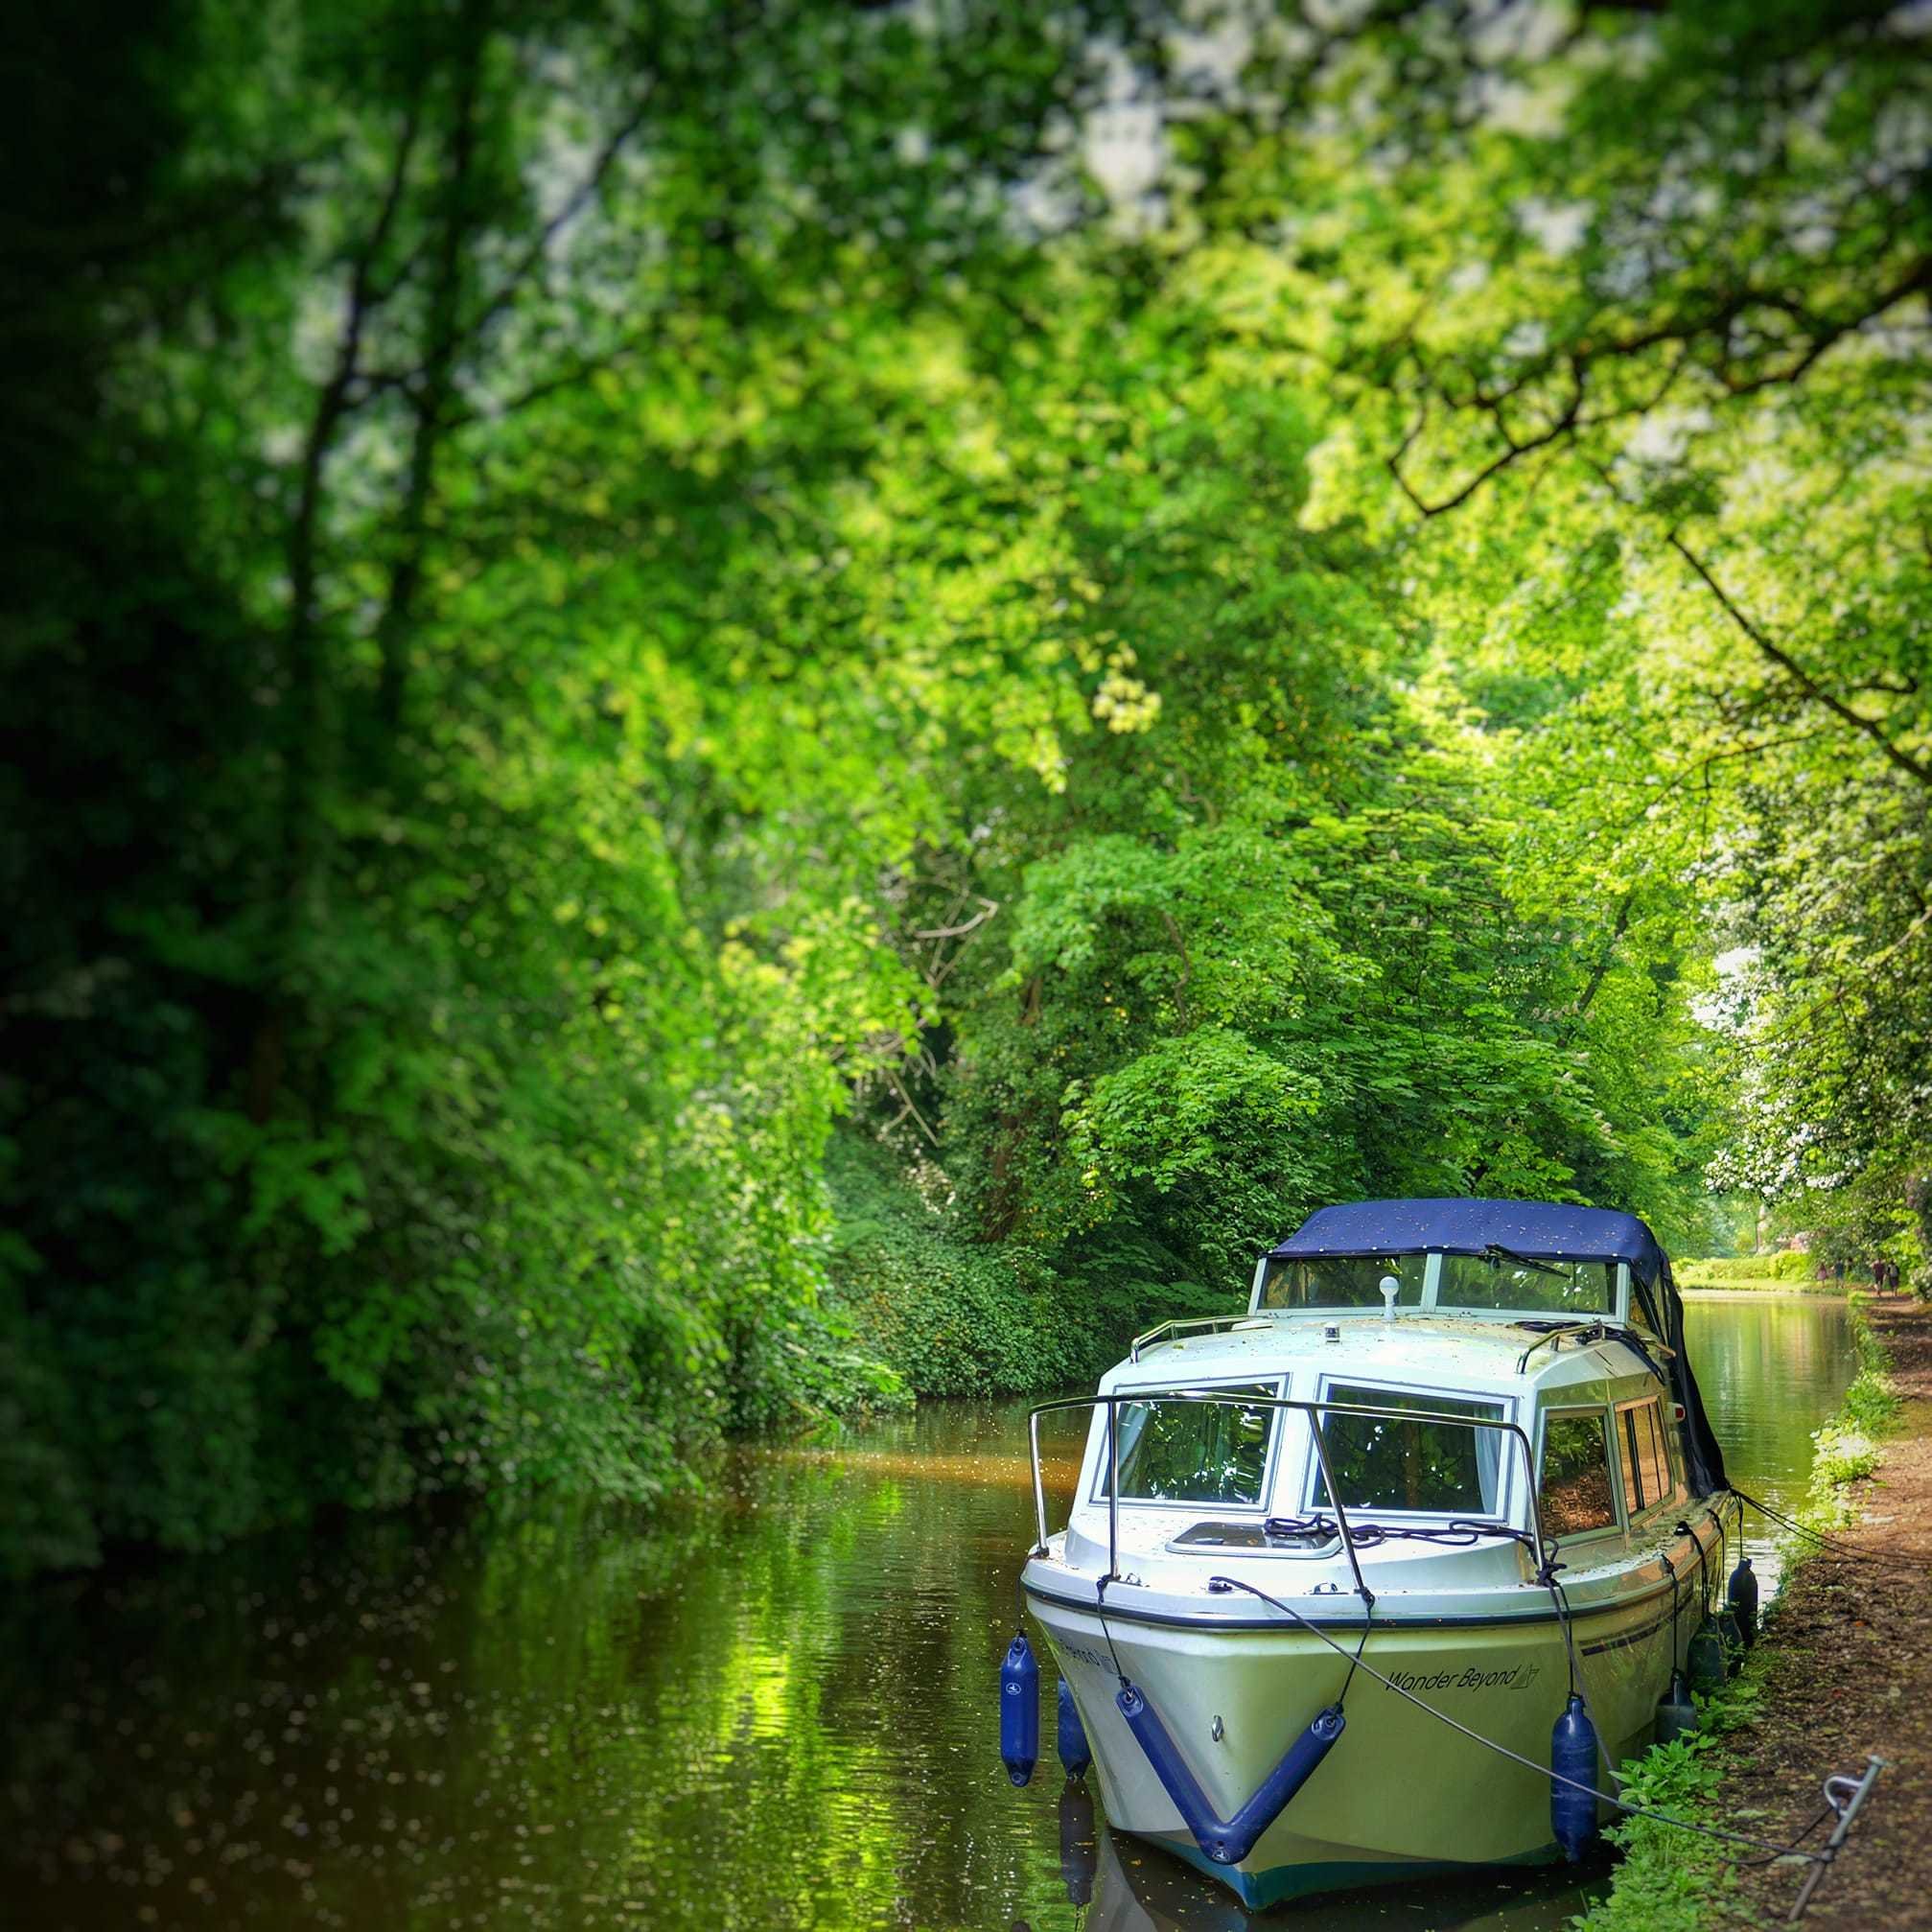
(1851,1673)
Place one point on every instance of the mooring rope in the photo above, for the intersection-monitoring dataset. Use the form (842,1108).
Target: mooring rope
(1772,1858)
(1621,1804)
(1361,1645)
(1894,1559)
(1454,1534)
(1100,1611)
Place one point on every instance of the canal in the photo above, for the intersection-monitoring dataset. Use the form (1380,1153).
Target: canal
(775,1708)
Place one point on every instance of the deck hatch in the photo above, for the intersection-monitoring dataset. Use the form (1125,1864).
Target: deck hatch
(1251,1535)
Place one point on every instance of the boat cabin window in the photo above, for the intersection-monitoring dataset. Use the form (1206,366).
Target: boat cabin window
(1342,1281)
(1407,1462)
(1193,1451)
(1547,1287)
(1574,1494)
(1647,1478)
(1640,1313)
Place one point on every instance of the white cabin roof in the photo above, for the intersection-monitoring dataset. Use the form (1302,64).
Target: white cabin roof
(1417,1347)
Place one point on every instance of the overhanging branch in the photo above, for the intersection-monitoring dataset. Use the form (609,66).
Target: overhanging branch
(1871,728)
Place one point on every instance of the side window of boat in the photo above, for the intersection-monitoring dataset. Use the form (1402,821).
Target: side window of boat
(1673,1450)
(1646,1468)
(1574,1495)
(1194,1452)
(1640,1301)
(1670,1489)
(1627,1453)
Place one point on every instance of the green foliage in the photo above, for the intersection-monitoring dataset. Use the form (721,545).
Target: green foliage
(1787,1265)
(1669,1878)
(956,1316)
(421,1039)
(1847,1445)
(620,602)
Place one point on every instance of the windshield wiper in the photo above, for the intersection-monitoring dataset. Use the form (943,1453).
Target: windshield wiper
(1524,1261)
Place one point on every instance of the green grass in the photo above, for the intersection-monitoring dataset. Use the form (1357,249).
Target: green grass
(1726,1286)
(1669,1879)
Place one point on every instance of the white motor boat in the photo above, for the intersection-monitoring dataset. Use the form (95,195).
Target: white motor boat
(1346,1577)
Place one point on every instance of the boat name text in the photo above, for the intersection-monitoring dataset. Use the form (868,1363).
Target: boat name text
(1512,1677)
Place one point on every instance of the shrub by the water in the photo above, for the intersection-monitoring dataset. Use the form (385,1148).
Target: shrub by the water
(1787,1265)
(958,1317)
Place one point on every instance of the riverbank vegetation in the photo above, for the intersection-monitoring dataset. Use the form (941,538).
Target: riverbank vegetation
(712,719)
(1671,1880)
(1784,1272)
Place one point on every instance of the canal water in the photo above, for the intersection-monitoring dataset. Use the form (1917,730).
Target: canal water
(775,1708)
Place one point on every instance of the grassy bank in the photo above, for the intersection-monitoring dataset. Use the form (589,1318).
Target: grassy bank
(1821,1290)
(1786,1273)
(951,1316)
(1675,1881)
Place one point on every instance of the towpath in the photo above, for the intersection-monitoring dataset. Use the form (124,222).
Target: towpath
(1851,1672)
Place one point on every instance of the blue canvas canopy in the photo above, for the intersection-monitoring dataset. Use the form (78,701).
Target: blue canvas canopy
(1539,1230)
(1543,1230)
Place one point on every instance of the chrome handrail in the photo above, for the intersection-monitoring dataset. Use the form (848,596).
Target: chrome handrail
(1162,1328)
(1313,1410)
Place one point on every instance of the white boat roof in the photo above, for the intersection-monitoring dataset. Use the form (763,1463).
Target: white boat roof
(1420,1347)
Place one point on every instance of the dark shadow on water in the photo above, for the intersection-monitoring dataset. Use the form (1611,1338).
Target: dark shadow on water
(1139,1888)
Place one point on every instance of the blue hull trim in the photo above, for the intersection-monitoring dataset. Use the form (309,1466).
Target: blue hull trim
(1259,1890)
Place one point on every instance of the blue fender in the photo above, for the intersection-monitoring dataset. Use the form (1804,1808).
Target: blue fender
(1742,1592)
(1019,1711)
(1228,1840)
(1572,1756)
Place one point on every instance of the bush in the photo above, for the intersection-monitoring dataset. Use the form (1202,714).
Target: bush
(1847,1446)
(955,1316)
(1786,1265)
(1669,1877)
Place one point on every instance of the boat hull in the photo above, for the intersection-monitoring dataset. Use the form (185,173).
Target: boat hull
(1401,1794)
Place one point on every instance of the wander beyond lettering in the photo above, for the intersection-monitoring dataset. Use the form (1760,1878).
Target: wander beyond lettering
(1513,1677)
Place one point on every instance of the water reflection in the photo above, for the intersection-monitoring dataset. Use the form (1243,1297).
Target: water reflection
(774,1709)
(1771,1369)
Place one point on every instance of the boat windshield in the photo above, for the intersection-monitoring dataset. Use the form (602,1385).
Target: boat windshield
(1495,1280)
(1342,1281)
(1407,1462)
(1194,1452)
(1474,1281)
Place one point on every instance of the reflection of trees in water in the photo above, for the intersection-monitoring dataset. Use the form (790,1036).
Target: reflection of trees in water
(1771,1372)
(731,1713)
